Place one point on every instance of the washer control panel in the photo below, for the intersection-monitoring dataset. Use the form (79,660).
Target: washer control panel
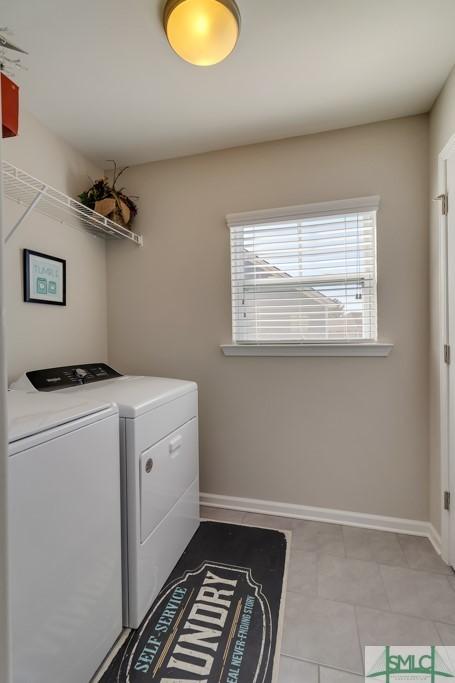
(52,379)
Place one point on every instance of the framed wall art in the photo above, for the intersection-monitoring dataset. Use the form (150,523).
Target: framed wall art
(44,278)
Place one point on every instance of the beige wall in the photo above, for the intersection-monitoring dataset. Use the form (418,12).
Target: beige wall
(347,433)
(43,335)
(442,127)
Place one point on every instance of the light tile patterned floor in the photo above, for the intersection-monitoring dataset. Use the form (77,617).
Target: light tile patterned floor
(350,587)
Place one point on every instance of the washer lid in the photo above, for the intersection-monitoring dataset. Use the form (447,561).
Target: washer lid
(134,395)
(31,414)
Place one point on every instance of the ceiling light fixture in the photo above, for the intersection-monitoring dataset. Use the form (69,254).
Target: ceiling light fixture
(202,32)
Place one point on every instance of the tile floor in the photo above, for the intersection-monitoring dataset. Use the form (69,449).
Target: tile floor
(350,587)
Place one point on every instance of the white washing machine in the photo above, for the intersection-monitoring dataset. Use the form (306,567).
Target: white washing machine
(65,539)
(159,466)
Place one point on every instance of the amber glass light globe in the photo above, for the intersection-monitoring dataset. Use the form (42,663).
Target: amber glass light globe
(202,32)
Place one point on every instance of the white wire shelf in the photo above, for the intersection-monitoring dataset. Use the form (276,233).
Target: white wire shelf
(35,195)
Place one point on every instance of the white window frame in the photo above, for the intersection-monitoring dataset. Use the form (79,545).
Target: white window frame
(319,348)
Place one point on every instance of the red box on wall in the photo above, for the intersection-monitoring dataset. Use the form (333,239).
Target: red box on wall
(10,107)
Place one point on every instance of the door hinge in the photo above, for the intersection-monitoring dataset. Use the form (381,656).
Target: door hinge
(446,500)
(447,354)
(444,199)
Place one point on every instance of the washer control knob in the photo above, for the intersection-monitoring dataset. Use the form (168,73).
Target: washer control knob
(149,465)
(81,373)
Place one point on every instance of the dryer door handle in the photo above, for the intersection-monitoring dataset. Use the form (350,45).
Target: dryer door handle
(175,444)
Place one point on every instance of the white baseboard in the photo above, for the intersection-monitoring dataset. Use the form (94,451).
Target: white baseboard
(435,538)
(267,507)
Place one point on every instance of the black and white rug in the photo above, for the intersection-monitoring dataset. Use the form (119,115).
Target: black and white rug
(218,619)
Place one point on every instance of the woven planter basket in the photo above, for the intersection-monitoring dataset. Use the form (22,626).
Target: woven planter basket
(116,210)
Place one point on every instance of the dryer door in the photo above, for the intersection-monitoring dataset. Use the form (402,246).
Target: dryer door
(167,470)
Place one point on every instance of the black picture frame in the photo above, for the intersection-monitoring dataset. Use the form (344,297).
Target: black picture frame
(28,255)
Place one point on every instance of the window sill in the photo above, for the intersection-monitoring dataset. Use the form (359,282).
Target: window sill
(378,349)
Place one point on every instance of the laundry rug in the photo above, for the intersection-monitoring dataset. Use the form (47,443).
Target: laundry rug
(218,619)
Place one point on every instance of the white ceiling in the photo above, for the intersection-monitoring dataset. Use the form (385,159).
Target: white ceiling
(102,75)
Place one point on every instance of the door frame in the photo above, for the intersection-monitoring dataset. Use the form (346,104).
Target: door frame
(443,338)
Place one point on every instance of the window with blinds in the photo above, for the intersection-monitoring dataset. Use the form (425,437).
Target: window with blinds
(305,274)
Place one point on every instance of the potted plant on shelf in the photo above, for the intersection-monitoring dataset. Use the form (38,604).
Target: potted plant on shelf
(110,202)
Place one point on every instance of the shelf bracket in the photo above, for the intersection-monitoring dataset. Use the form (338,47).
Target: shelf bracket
(28,210)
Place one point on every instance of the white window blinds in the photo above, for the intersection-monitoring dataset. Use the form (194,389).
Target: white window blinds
(305,274)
